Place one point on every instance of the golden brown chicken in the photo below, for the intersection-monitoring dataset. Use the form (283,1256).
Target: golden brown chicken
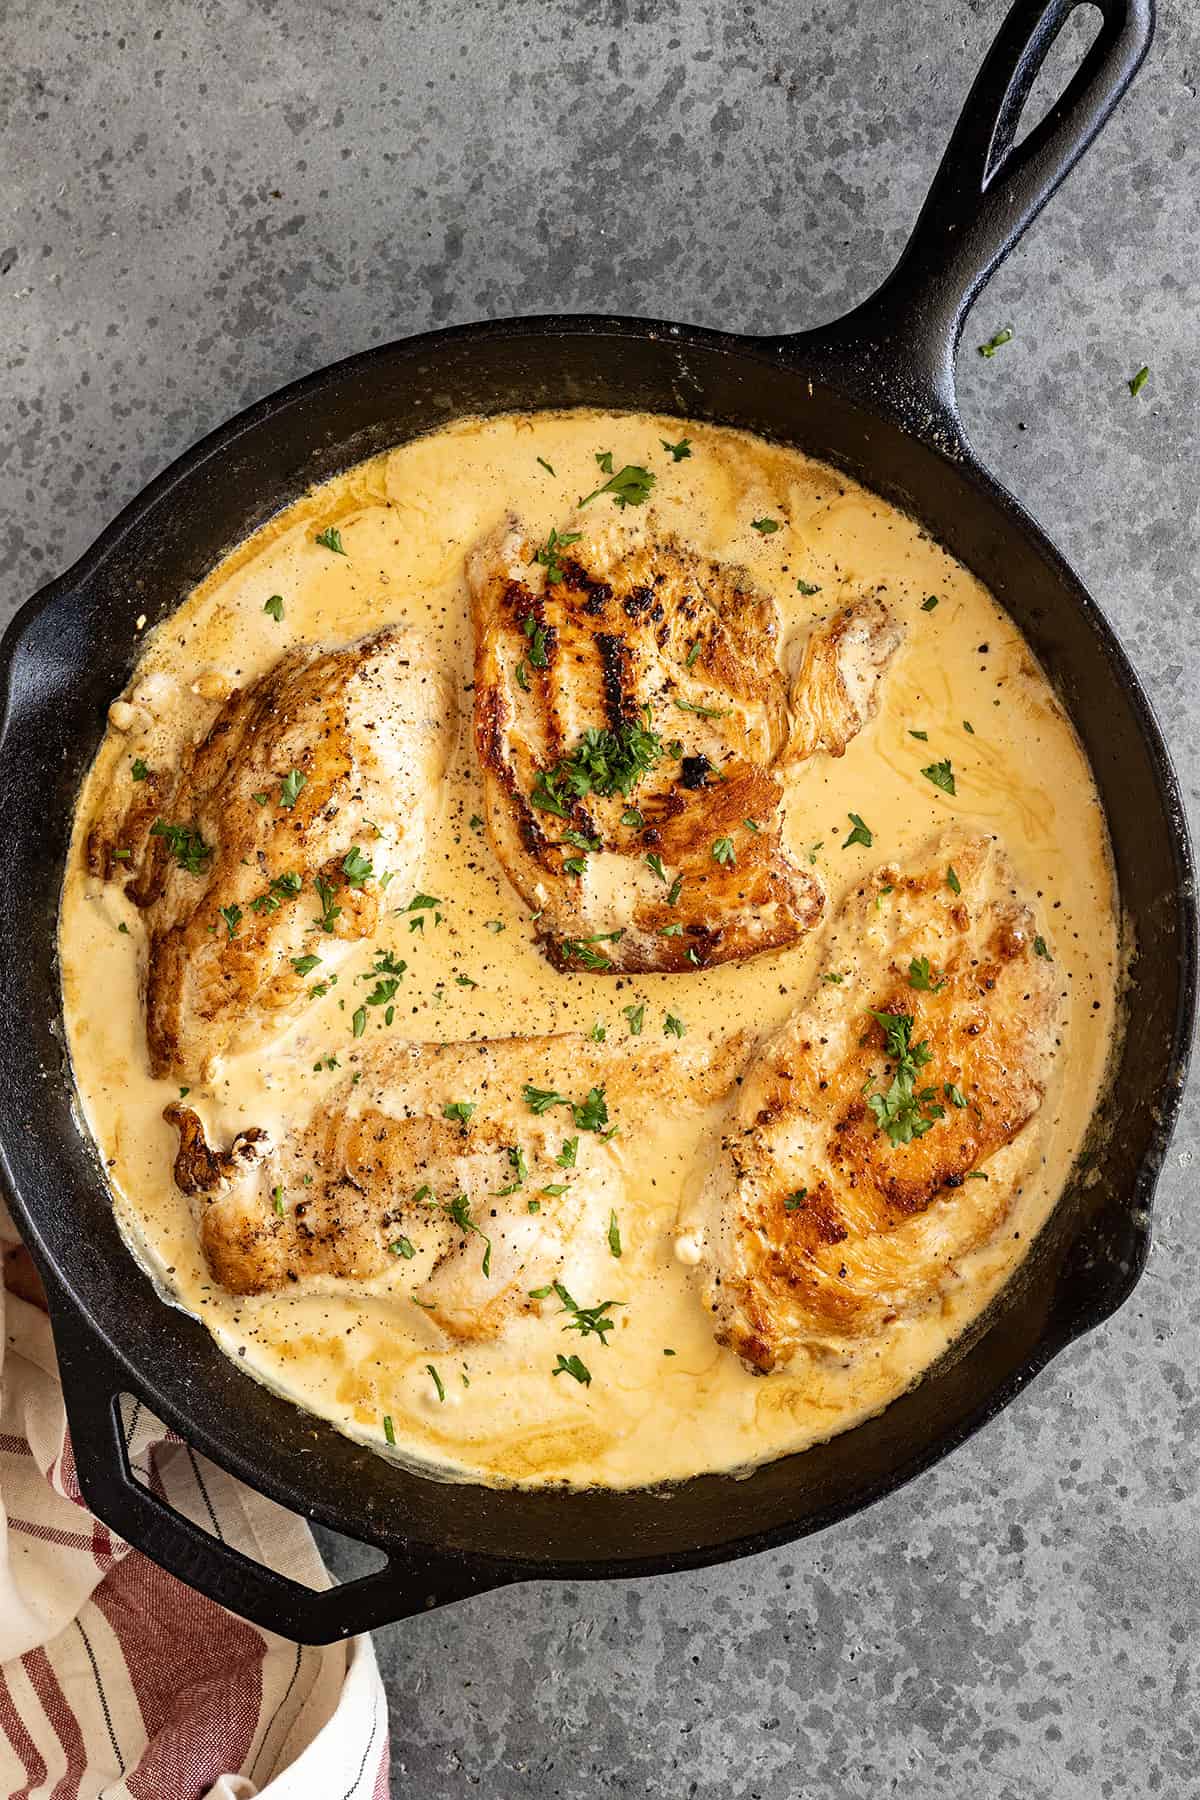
(264,854)
(475,1171)
(866,1154)
(635,734)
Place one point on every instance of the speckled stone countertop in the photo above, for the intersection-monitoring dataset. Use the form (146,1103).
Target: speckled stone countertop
(200,200)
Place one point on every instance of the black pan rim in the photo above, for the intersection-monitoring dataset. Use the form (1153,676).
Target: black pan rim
(773,351)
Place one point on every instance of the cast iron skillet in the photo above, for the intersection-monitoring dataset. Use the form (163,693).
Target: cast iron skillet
(874,395)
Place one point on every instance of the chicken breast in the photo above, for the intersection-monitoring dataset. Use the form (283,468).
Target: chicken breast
(263,855)
(635,733)
(867,1150)
(476,1171)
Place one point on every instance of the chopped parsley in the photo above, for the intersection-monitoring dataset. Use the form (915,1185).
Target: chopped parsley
(359,1021)
(808,587)
(537,642)
(547,554)
(185,844)
(723,851)
(1003,336)
(580,950)
(680,451)
(941,775)
(571,1365)
(636,1016)
(546,466)
(329,910)
(437,1380)
(702,712)
(232,916)
(289,787)
(929,603)
(1137,382)
(568,1153)
(920,976)
(590,1114)
(793,1202)
(904,1112)
(274,606)
(356,867)
(676,889)
(614,1235)
(954,1094)
(404,1247)
(277,1199)
(603,762)
(673,1027)
(304,965)
(140,770)
(459,1109)
(331,539)
(921,736)
(389,1430)
(1039,948)
(632,818)
(952,881)
(861,834)
(764,527)
(459,1210)
(630,486)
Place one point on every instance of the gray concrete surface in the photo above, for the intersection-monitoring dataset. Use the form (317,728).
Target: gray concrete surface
(199,201)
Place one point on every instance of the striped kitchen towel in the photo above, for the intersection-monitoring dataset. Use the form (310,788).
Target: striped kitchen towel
(117,1682)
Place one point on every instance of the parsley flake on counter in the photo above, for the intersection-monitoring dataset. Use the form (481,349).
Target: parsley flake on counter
(331,539)
(1003,336)
(1137,382)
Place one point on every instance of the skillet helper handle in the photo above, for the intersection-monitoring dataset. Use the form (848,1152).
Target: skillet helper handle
(986,191)
(93,1382)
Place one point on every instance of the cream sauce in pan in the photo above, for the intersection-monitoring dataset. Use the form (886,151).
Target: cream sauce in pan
(964,676)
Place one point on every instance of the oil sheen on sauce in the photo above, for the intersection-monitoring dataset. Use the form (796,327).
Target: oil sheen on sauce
(964,676)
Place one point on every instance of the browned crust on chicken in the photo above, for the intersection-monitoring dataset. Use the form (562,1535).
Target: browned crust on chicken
(632,634)
(360,729)
(821,1228)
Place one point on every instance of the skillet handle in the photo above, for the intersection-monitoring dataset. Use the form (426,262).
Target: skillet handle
(93,1382)
(986,191)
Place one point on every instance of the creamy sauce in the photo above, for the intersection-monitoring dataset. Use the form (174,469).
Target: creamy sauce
(964,676)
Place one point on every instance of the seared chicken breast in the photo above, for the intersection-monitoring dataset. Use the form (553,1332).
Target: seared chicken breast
(476,1171)
(635,733)
(262,855)
(868,1149)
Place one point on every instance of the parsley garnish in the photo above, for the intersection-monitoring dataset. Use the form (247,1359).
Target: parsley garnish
(459,1109)
(304,965)
(331,539)
(765,527)
(1039,948)
(723,851)
(547,554)
(274,606)
(139,770)
(356,867)
(861,834)
(580,949)
(921,976)
(458,1209)
(808,587)
(673,1027)
(614,1235)
(289,787)
(954,1094)
(590,1114)
(571,1365)
(277,1200)
(952,881)
(941,775)
(904,1112)
(636,1015)
(655,862)
(232,916)
(679,451)
(702,712)
(928,604)
(630,486)
(537,642)
(185,844)
(568,1153)
(437,1380)
(389,1430)
(329,912)
(546,466)
(793,1202)
(359,1021)
(921,736)
(603,762)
